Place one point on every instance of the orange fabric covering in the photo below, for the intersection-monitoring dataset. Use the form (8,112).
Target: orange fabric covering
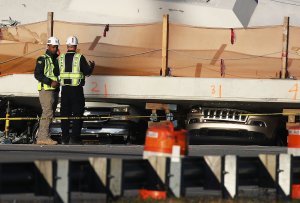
(136,49)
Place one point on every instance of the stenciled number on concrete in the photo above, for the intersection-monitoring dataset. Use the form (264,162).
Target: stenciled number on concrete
(216,91)
(294,89)
(96,88)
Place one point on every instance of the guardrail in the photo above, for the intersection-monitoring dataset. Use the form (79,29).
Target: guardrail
(109,178)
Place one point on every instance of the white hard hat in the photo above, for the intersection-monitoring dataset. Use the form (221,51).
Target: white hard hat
(53,41)
(72,40)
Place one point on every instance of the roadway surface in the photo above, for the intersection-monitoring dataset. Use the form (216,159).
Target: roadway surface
(28,153)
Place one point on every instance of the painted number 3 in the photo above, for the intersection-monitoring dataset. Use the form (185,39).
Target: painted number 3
(216,91)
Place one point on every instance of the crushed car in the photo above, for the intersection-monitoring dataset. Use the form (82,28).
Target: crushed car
(207,125)
(106,123)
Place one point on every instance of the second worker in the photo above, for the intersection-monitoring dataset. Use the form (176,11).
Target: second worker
(73,69)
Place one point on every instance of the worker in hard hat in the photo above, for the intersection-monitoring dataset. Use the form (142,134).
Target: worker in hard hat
(47,72)
(73,68)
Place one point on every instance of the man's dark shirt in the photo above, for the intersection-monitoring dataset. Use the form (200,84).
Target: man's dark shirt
(39,69)
(84,67)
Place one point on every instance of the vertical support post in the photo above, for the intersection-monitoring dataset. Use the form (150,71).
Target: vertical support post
(100,167)
(159,164)
(44,178)
(50,24)
(230,175)
(46,169)
(175,176)
(269,161)
(116,177)
(285,43)
(215,165)
(62,181)
(284,174)
(165,41)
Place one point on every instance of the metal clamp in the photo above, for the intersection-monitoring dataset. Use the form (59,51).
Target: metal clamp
(153,117)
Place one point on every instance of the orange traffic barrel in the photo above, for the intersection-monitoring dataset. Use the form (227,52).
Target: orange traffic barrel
(160,140)
(296,191)
(294,137)
(181,140)
(152,194)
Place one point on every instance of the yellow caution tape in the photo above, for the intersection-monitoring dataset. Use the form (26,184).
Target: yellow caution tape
(128,116)
(75,118)
(270,114)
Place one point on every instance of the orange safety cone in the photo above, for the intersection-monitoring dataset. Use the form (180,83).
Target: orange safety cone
(294,141)
(152,194)
(294,148)
(182,141)
(296,191)
(160,140)
(294,137)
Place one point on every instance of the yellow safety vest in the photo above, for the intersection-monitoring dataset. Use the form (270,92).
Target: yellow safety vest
(75,76)
(48,72)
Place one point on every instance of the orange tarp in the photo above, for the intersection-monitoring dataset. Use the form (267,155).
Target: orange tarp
(136,49)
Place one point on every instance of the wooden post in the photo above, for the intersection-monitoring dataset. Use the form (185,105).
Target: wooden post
(285,43)
(50,24)
(198,70)
(165,40)
(292,113)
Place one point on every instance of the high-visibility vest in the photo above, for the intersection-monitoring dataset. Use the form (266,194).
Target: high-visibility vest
(75,76)
(48,72)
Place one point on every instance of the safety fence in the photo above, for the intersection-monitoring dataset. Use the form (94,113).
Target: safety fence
(110,178)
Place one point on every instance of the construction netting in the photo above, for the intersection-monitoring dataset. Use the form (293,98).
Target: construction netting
(136,49)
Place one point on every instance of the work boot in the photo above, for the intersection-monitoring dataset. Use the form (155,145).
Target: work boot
(64,142)
(75,141)
(46,141)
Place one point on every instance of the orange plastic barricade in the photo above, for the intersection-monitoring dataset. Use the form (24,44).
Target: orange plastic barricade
(296,191)
(294,137)
(152,194)
(160,140)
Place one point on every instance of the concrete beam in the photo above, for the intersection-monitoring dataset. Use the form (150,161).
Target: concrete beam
(171,89)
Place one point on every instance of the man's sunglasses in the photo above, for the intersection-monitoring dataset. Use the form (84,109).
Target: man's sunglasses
(53,46)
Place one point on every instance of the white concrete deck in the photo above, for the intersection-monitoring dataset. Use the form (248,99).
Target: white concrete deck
(169,88)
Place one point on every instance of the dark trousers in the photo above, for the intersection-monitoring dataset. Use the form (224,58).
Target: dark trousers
(72,104)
